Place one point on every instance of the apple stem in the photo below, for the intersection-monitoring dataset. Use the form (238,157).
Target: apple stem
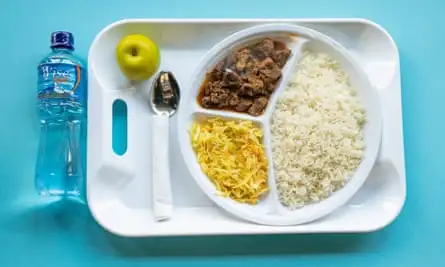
(134,51)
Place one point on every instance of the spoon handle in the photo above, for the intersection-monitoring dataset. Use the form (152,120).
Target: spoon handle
(162,195)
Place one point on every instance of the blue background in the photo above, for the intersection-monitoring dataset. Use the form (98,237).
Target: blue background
(36,233)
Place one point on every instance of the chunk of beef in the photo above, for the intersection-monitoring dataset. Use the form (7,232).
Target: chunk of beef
(213,87)
(207,90)
(231,80)
(258,106)
(231,61)
(267,63)
(253,85)
(234,100)
(257,84)
(270,88)
(243,105)
(215,95)
(279,45)
(205,102)
(215,100)
(281,57)
(242,58)
(264,49)
(252,67)
(220,65)
(268,45)
(246,90)
(269,70)
(220,100)
(215,75)
(252,88)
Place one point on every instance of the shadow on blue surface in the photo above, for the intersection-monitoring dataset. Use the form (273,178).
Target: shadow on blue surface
(72,220)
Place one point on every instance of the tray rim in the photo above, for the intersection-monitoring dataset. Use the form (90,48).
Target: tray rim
(364,21)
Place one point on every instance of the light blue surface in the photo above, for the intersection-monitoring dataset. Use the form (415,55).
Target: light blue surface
(34,233)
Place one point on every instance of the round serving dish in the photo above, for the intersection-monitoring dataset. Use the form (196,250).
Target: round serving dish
(269,210)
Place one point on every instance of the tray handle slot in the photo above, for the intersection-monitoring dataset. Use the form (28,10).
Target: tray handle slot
(117,168)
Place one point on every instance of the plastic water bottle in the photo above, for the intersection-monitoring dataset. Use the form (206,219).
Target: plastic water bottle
(61,107)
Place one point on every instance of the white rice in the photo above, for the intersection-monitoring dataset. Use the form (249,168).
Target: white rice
(317,132)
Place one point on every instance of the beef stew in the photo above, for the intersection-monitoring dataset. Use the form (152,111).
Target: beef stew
(244,81)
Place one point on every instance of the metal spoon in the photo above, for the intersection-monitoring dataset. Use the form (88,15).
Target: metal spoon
(164,101)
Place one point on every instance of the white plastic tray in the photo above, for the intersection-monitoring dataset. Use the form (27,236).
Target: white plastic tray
(118,187)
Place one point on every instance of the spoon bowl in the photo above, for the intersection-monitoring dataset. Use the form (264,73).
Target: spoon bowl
(165,94)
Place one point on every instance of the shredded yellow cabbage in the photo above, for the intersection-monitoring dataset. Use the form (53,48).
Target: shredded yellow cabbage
(231,154)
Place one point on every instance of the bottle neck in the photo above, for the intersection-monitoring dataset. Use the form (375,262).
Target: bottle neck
(62,49)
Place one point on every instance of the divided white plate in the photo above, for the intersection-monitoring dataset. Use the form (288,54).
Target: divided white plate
(269,211)
(119,187)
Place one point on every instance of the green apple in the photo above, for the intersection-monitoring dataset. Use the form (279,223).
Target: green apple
(138,57)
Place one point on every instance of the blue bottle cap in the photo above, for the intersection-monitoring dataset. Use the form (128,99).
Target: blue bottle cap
(62,39)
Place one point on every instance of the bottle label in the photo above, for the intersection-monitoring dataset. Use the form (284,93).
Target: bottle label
(60,81)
